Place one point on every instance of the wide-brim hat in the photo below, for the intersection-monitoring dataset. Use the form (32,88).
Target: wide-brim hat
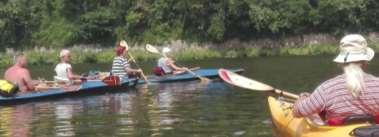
(354,48)
(124,44)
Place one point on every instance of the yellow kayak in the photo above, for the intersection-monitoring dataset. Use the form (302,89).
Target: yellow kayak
(286,125)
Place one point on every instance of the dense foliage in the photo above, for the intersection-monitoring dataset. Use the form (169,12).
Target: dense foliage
(53,23)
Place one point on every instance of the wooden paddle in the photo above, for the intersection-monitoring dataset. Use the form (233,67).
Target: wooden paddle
(142,74)
(152,49)
(247,83)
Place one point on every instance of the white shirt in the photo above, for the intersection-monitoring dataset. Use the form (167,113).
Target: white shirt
(162,62)
(61,71)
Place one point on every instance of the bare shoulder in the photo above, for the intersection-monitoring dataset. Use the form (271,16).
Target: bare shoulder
(24,72)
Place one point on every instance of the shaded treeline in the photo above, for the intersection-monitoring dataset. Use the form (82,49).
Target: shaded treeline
(58,23)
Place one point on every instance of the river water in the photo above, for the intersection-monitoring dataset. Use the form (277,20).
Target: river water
(184,109)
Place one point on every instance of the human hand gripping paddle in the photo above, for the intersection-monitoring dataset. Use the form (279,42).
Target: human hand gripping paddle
(142,74)
(247,83)
(152,49)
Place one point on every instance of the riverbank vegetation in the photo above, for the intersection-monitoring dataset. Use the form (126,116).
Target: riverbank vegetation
(181,52)
(60,23)
(39,56)
(208,29)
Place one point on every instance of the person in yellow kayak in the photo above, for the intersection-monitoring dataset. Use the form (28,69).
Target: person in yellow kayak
(352,93)
(19,75)
(64,72)
(121,66)
(166,65)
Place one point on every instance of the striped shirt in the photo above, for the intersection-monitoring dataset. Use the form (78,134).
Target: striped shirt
(119,65)
(333,98)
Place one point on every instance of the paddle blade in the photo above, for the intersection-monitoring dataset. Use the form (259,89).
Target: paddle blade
(243,82)
(152,49)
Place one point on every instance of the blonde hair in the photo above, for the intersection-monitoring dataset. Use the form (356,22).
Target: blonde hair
(354,78)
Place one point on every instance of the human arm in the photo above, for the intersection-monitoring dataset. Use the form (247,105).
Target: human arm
(130,70)
(71,75)
(171,64)
(307,104)
(26,83)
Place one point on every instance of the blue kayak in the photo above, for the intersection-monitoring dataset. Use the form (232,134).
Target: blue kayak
(97,86)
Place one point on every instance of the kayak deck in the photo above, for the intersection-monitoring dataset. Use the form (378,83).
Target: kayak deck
(286,125)
(97,86)
(209,73)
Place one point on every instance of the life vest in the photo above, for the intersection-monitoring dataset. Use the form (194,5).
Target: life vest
(158,71)
(7,88)
(112,80)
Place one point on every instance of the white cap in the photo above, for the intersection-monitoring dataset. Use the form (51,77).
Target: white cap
(354,48)
(165,51)
(64,52)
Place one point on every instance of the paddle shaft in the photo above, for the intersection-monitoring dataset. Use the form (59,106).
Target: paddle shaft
(286,94)
(142,74)
(193,73)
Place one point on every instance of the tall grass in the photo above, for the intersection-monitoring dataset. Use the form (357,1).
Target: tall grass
(83,54)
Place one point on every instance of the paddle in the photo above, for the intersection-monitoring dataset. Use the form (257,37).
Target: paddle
(247,83)
(142,74)
(152,49)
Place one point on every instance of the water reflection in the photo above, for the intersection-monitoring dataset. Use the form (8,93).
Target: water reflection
(64,126)
(143,111)
(14,121)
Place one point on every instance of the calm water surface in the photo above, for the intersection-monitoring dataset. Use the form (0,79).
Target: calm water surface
(169,110)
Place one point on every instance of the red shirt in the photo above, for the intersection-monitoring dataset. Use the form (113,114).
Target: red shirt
(335,100)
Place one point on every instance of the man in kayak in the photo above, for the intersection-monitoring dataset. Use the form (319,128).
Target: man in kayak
(166,65)
(353,92)
(121,66)
(63,70)
(19,75)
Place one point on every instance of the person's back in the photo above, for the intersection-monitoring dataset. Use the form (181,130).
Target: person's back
(19,75)
(336,100)
(118,66)
(162,63)
(353,92)
(14,74)
(61,71)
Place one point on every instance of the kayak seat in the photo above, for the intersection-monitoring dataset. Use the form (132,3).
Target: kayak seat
(366,131)
(354,119)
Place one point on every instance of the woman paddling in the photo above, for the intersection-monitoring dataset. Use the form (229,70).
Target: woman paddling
(353,92)
(166,65)
(121,66)
(64,70)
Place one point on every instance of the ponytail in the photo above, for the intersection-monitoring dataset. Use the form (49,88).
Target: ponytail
(354,78)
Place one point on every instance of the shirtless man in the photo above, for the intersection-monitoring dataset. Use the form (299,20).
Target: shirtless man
(19,75)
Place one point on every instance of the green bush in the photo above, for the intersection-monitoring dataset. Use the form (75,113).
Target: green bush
(59,23)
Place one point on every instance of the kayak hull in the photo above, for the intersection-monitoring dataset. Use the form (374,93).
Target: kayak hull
(286,125)
(98,87)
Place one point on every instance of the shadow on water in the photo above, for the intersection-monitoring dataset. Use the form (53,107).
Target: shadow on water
(173,109)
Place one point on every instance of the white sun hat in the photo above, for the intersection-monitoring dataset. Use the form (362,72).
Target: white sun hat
(165,51)
(353,47)
(124,44)
(64,52)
